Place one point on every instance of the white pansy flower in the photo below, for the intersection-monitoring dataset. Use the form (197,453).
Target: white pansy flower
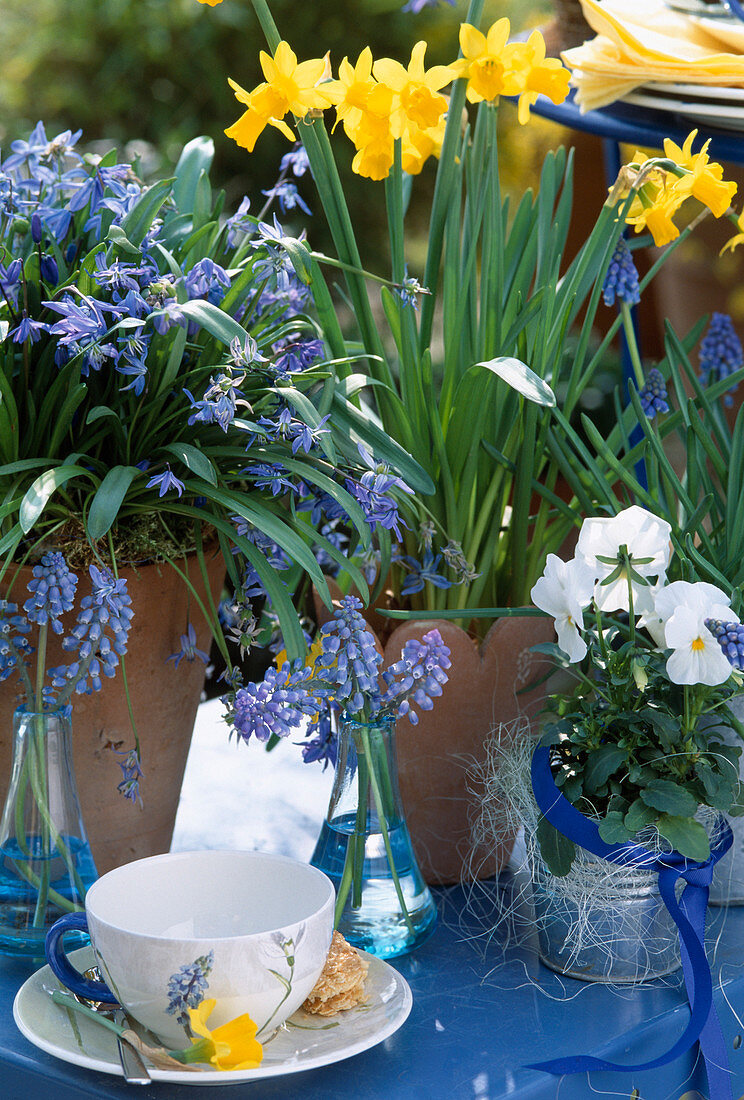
(645,536)
(564,591)
(683,607)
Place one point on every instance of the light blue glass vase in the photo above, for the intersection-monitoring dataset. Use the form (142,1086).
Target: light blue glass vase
(383,904)
(46,864)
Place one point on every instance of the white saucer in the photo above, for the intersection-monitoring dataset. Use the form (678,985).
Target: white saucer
(304,1042)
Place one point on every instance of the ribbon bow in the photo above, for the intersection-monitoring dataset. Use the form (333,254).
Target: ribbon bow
(688,915)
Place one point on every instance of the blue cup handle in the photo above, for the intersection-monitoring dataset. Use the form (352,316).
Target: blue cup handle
(64,970)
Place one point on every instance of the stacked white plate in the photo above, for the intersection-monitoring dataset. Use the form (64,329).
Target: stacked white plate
(703,103)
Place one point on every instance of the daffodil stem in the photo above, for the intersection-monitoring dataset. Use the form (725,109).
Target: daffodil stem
(632,344)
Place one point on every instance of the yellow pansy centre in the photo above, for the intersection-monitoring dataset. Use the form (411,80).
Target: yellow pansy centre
(697,644)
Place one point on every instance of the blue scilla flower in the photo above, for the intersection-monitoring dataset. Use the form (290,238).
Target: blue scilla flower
(621,280)
(297,355)
(423,572)
(373,490)
(52,592)
(188,650)
(296,161)
(206,279)
(654,394)
(288,197)
(131,766)
(165,482)
(324,745)
(240,222)
(186,988)
(418,5)
(720,352)
(730,637)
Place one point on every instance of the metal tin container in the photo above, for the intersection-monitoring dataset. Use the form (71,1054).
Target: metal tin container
(727,887)
(604,923)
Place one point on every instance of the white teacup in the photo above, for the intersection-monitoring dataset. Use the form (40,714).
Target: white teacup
(251,930)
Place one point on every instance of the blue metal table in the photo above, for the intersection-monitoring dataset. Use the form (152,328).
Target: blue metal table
(642,126)
(479,1014)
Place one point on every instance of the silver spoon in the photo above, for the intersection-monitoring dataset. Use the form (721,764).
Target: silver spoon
(134,1069)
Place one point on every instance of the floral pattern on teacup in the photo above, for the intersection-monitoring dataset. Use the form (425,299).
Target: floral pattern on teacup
(186,988)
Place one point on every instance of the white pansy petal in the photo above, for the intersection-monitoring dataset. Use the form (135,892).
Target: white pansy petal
(699,596)
(682,628)
(703,666)
(548,596)
(581,578)
(569,640)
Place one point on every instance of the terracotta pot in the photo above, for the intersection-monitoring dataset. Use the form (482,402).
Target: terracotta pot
(436,757)
(164,701)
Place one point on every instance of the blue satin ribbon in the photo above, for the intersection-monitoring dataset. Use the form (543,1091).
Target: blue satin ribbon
(688,915)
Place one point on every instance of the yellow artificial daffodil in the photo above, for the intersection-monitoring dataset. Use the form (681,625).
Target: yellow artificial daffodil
(482,61)
(705,181)
(417,100)
(231,1046)
(290,88)
(530,74)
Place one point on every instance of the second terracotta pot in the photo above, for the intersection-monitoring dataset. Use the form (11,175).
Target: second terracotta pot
(164,701)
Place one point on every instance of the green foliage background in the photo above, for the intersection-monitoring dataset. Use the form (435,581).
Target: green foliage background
(157,70)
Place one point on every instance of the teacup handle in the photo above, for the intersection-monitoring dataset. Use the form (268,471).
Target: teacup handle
(64,970)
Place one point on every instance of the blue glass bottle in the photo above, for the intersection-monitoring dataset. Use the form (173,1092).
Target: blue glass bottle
(383,904)
(46,864)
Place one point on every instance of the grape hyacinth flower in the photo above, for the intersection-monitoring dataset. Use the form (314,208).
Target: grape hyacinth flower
(418,676)
(275,707)
(99,636)
(186,988)
(730,637)
(621,280)
(350,662)
(654,394)
(720,353)
(52,592)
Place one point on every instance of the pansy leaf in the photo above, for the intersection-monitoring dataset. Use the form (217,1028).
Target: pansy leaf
(601,764)
(556,849)
(638,816)
(669,797)
(613,830)
(521,378)
(686,836)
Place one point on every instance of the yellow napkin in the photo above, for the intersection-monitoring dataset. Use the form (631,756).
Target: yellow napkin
(641,41)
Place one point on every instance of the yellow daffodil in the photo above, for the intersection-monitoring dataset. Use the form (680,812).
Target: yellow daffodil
(230,1046)
(482,61)
(212,3)
(350,94)
(705,181)
(738,239)
(530,74)
(374,160)
(419,145)
(364,107)
(312,655)
(290,88)
(417,100)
